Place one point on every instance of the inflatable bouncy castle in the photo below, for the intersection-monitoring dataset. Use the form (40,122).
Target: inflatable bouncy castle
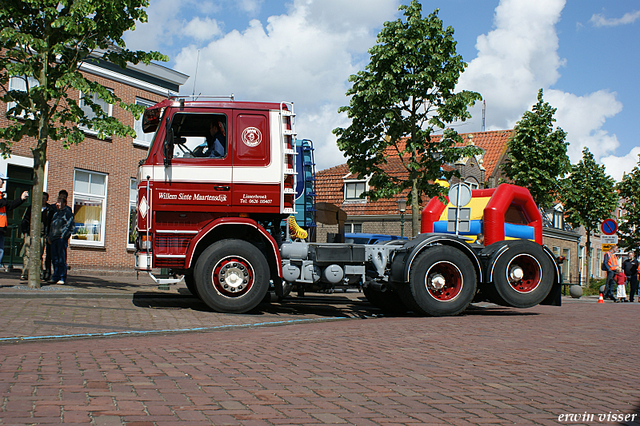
(502,213)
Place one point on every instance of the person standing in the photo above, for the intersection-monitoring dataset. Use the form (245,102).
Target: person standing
(51,210)
(621,280)
(60,229)
(5,207)
(630,266)
(611,263)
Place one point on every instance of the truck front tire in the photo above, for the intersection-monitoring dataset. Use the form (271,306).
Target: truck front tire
(442,282)
(232,276)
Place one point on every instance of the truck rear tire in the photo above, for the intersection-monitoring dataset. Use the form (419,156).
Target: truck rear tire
(522,275)
(232,276)
(442,282)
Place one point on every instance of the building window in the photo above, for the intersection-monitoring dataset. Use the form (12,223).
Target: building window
(472,184)
(566,265)
(142,138)
(133,212)
(89,207)
(558,219)
(88,111)
(353,190)
(21,84)
(355,228)
(598,261)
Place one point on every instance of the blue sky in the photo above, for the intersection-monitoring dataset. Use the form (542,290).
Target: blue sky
(583,53)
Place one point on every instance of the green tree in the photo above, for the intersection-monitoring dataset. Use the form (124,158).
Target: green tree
(537,154)
(589,197)
(405,93)
(43,43)
(629,227)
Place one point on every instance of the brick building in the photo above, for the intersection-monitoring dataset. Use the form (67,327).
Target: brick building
(98,174)
(338,186)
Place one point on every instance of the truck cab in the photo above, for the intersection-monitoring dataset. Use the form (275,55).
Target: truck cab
(216,168)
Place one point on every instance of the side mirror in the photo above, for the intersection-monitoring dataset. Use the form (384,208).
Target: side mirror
(168,147)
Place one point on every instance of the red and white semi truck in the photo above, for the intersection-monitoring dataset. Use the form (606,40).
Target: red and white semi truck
(214,220)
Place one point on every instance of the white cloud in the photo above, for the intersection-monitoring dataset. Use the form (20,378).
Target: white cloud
(252,7)
(582,118)
(202,29)
(171,21)
(305,56)
(598,20)
(515,59)
(519,57)
(615,166)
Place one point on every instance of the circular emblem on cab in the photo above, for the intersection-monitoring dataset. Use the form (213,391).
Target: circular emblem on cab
(251,136)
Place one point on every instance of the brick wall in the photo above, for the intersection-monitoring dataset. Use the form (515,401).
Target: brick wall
(117,158)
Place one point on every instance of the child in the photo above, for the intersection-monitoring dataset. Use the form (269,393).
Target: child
(621,296)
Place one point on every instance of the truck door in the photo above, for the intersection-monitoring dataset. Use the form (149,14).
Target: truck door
(200,173)
(257,170)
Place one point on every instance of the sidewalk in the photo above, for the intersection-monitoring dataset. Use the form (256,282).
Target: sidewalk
(85,284)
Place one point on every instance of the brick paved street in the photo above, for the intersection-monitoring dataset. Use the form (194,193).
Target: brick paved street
(330,361)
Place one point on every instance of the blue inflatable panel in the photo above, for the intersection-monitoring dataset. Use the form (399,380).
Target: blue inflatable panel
(523,232)
(441,227)
(511,230)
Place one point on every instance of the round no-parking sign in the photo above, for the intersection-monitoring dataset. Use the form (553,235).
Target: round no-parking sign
(609,226)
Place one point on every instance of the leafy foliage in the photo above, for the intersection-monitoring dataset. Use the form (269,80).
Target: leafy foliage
(403,95)
(43,43)
(629,227)
(589,197)
(537,154)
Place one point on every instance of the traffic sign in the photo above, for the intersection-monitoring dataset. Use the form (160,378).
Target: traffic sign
(459,194)
(607,247)
(609,226)
(609,239)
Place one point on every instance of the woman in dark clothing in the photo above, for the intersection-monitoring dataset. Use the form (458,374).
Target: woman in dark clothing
(630,267)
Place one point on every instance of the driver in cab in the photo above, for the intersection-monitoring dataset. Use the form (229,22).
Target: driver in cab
(216,140)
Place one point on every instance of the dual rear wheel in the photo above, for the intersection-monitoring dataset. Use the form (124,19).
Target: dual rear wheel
(442,282)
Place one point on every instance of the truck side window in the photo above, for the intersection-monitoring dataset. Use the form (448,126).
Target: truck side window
(199,136)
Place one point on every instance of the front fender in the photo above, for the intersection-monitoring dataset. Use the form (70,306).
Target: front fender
(222,222)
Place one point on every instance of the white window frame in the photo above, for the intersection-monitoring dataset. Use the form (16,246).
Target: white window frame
(566,252)
(32,82)
(89,111)
(350,228)
(142,139)
(83,196)
(347,183)
(133,206)
(473,184)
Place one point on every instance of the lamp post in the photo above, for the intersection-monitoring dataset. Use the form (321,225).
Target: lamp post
(402,207)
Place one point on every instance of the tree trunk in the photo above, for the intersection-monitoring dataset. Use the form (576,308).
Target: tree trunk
(415,210)
(589,262)
(35,250)
(39,161)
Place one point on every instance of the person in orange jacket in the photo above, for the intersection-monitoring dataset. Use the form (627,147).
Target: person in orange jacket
(611,264)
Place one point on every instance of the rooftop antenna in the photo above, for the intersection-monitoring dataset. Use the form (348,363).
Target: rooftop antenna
(195,78)
(484,108)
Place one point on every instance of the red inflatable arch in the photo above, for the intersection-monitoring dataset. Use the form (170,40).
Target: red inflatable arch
(504,198)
